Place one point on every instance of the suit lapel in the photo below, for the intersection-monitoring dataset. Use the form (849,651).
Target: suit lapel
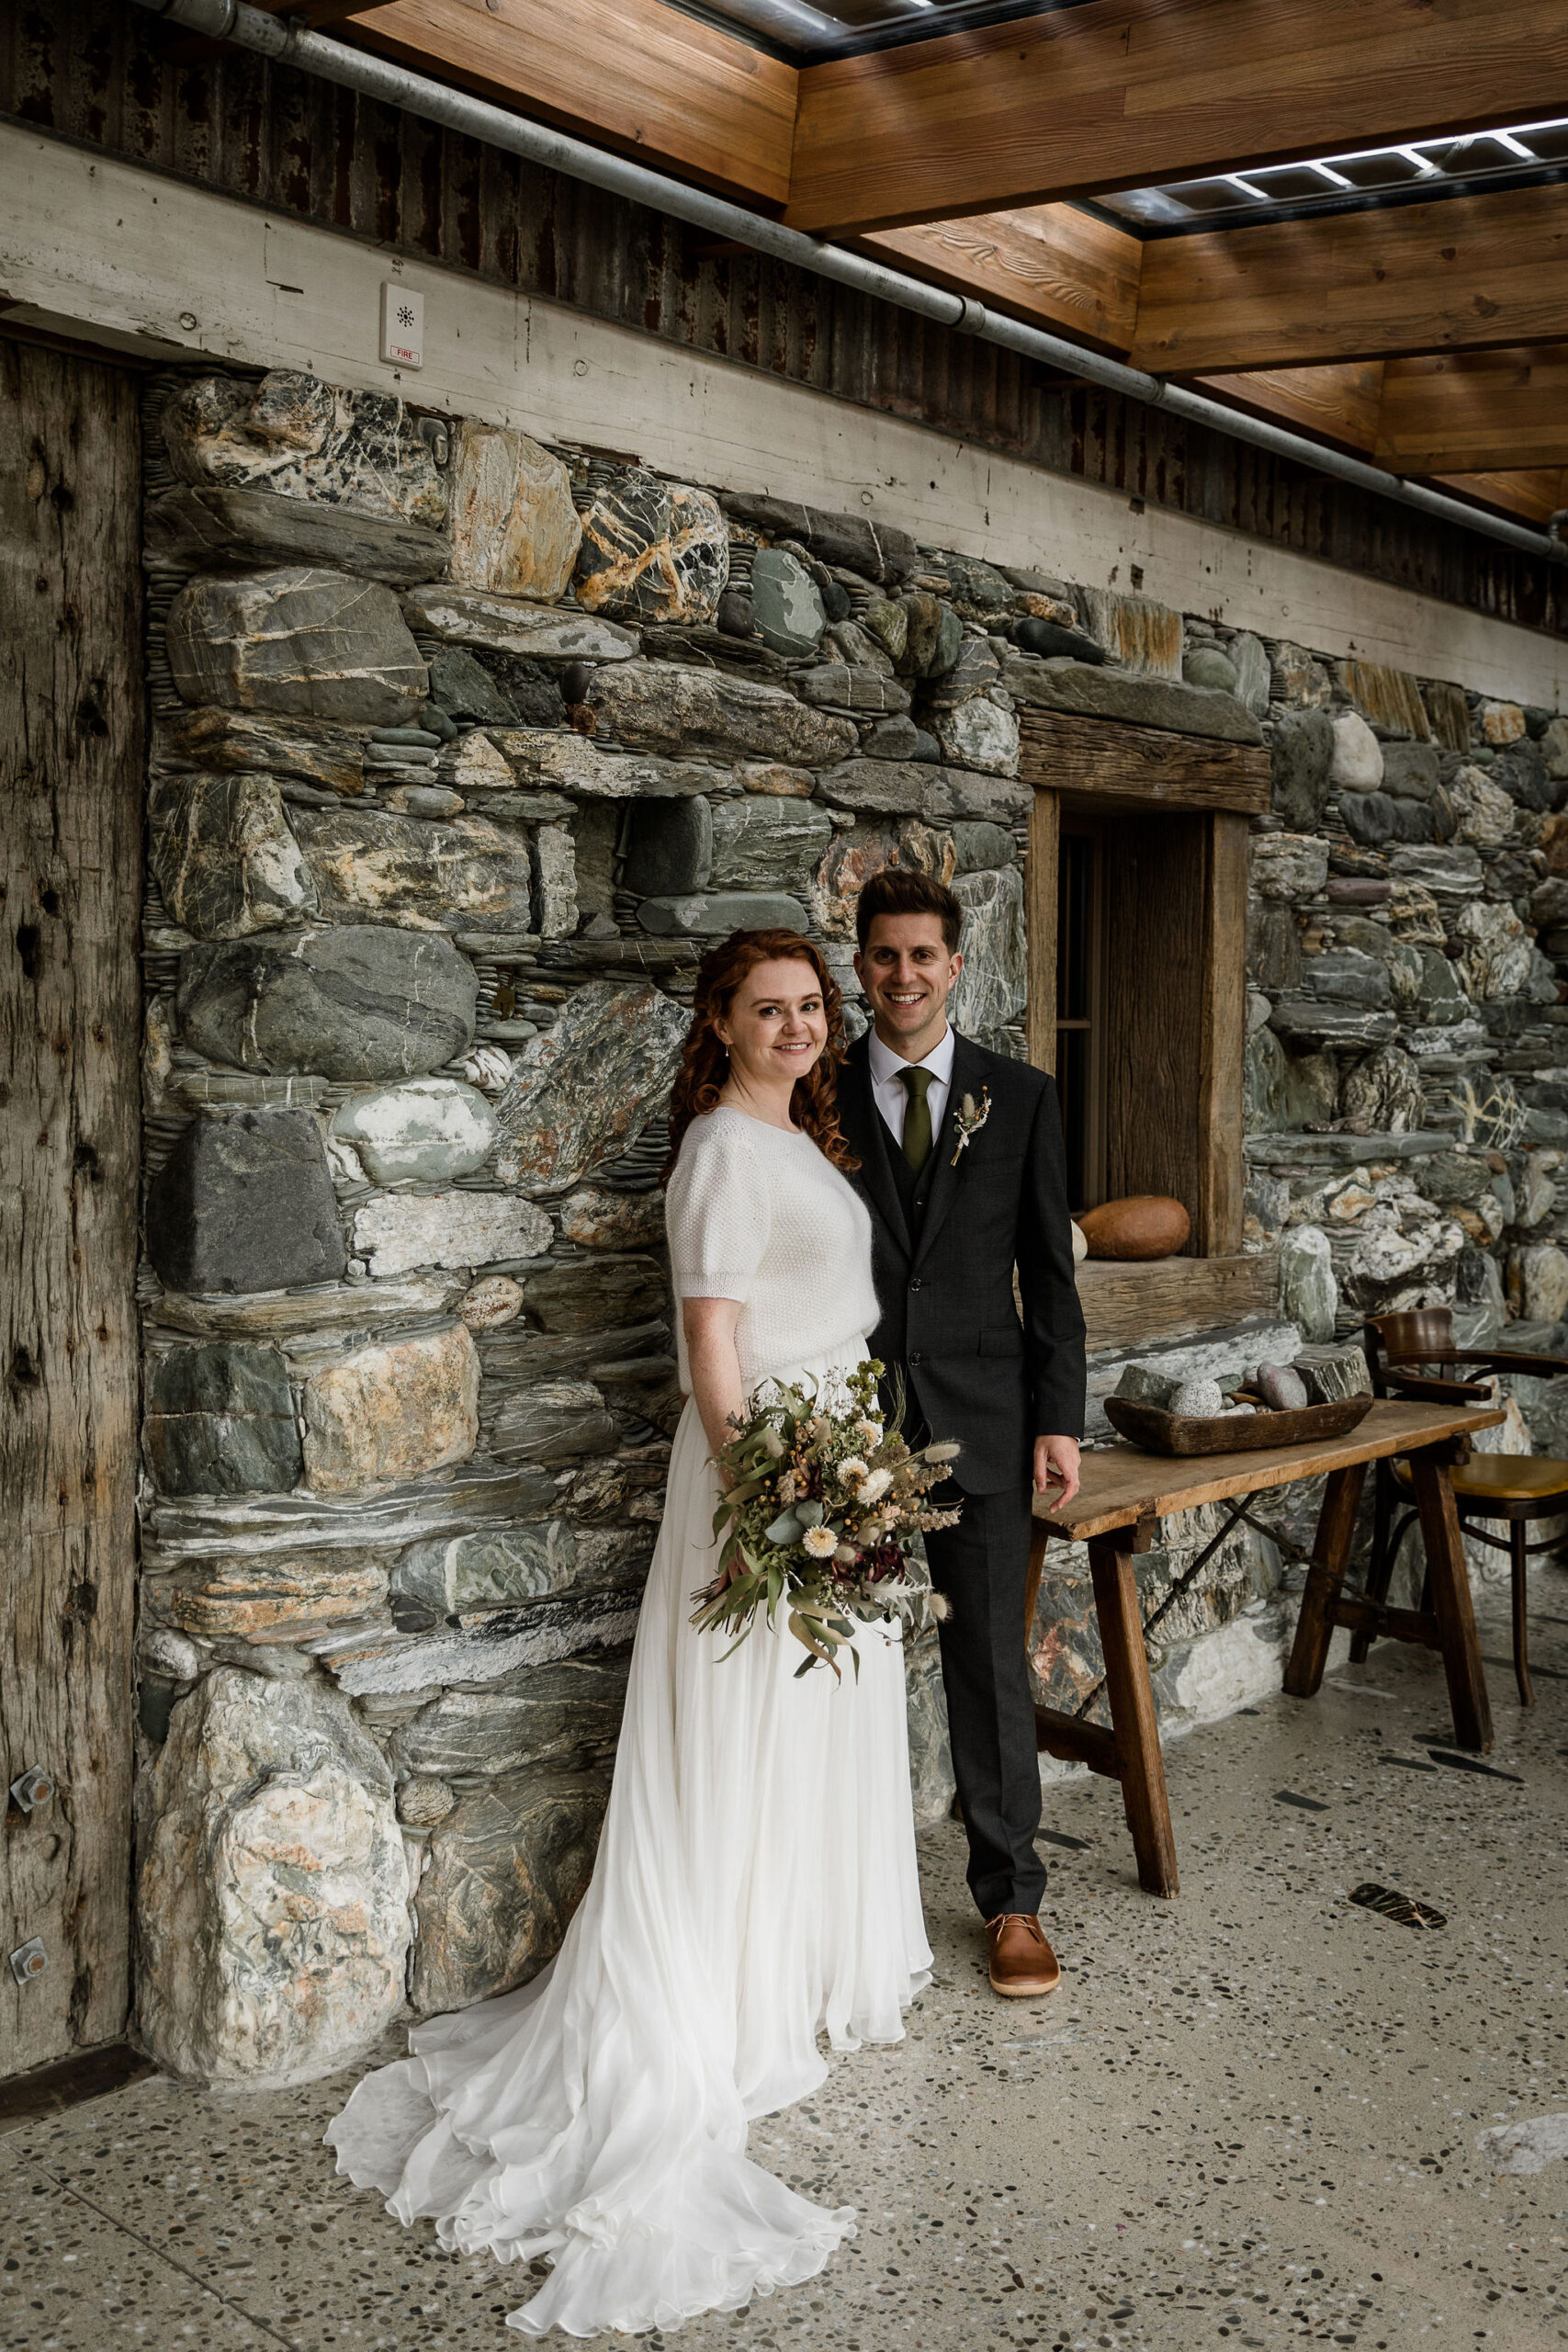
(861,1121)
(945,1177)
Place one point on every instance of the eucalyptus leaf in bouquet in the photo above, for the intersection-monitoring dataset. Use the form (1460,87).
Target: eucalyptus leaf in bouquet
(821,1496)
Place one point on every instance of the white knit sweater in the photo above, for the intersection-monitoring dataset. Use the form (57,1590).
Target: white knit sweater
(758,1214)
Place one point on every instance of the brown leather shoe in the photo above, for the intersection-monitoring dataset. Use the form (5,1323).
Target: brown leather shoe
(1023,1965)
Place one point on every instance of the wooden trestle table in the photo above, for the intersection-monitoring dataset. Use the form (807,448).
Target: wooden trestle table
(1123,1495)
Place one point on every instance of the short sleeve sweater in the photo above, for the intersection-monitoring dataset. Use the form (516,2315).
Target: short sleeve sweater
(758,1214)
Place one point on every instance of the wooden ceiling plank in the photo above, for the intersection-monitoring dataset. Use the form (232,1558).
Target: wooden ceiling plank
(1340,402)
(1097,97)
(1475,411)
(628,74)
(1053,264)
(1462,272)
(1535,496)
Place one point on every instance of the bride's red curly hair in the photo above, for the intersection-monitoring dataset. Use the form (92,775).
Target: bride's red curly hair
(704,1058)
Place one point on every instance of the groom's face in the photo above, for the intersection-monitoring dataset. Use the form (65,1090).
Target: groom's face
(908,971)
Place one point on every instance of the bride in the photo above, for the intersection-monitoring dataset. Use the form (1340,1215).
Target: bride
(755,1884)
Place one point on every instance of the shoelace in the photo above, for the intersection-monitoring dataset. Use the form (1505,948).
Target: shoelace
(1006,1918)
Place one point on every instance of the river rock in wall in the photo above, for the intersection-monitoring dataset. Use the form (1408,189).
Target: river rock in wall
(361,1001)
(597,1220)
(508,1867)
(292,434)
(565,1713)
(391,1410)
(222,529)
(585,1089)
(397,1231)
(220,1420)
(994,983)
(652,551)
(309,643)
(853,857)
(978,734)
(787,603)
(762,843)
(426,1129)
(263,1597)
(312,750)
(466,875)
(877,551)
(514,525)
(511,625)
(245,1204)
(225,858)
(660,706)
(273,1902)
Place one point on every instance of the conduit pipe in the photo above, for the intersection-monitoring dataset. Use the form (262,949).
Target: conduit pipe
(394,85)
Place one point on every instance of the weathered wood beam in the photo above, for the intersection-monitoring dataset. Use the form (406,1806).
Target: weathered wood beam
(1103,96)
(1535,494)
(1465,272)
(1052,265)
(1475,411)
(1340,403)
(628,74)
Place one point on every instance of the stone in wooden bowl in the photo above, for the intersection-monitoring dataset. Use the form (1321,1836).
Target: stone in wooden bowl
(1159,1431)
(1145,1225)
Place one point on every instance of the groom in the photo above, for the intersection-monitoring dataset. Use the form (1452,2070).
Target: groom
(962,1168)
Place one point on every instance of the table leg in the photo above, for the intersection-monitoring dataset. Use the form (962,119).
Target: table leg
(1450,1598)
(1132,1714)
(1330,1558)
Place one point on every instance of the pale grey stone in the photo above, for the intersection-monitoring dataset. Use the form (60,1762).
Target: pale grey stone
(699,714)
(1309,1291)
(425,1801)
(939,795)
(302,641)
(291,434)
(508,1867)
(716,916)
(391,1410)
(271,1524)
(225,858)
(1207,666)
(555,883)
(1543,1272)
(1447,873)
(1093,693)
(538,758)
(841,685)
(1496,954)
(397,1231)
(1381,1094)
(668,848)
(369,867)
(513,625)
(652,550)
(353,1001)
(1358,755)
(426,1128)
(978,734)
(491,1303)
(978,847)
(932,1784)
(787,603)
(273,1899)
(1300,757)
(328,1306)
(764,844)
(1554,749)
(994,984)
(1289,866)
(583,1091)
(547,1715)
(1196,1399)
(501,1642)
(214,528)
(515,529)
(1252,682)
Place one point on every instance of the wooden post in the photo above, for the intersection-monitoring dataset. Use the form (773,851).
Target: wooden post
(1041,882)
(1222,1159)
(1331,1556)
(1142,1767)
(1450,1598)
(71,772)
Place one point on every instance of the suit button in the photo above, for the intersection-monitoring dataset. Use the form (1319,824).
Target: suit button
(915,1282)
(917,1357)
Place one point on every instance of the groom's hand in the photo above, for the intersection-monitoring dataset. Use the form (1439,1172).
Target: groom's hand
(1056,1465)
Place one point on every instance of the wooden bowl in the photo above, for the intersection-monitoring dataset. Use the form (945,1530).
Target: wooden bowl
(1158,1432)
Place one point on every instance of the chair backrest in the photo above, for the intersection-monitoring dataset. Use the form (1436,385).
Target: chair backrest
(1419,1334)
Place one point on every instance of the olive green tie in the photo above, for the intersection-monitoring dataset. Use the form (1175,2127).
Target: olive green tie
(917,1119)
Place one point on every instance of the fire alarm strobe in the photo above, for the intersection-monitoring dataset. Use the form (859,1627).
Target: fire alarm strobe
(402,325)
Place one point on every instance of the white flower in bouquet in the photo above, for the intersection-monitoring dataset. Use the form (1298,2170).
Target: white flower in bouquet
(821,1542)
(852,1472)
(871,1433)
(874,1485)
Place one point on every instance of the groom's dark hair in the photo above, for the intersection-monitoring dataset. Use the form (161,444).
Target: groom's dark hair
(895,891)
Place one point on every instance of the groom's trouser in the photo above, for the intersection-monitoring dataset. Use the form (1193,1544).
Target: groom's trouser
(982,1567)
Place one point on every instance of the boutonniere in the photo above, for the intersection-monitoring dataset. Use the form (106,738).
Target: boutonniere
(969,1118)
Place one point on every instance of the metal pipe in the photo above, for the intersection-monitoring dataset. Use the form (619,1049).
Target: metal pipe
(288,43)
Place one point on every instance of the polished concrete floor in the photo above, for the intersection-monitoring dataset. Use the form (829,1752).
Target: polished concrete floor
(1259,2115)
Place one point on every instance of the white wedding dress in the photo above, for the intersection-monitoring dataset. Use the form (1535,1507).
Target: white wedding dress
(755,1884)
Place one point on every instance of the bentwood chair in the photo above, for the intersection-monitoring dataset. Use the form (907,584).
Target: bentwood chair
(1413,1354)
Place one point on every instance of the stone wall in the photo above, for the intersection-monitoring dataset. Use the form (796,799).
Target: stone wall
(463,748)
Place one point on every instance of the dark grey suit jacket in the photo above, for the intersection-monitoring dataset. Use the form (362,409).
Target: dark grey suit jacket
(948,1325)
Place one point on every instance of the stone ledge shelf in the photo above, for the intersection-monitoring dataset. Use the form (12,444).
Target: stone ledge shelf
(1295,1144)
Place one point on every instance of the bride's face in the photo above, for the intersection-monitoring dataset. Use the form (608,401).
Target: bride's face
(777,1023)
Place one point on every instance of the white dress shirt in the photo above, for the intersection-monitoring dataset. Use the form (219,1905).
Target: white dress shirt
(891,1094)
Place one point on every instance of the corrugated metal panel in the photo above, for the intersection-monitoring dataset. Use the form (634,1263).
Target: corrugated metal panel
(102,74)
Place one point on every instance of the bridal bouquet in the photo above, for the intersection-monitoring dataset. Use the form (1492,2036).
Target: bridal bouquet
(821,1498)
